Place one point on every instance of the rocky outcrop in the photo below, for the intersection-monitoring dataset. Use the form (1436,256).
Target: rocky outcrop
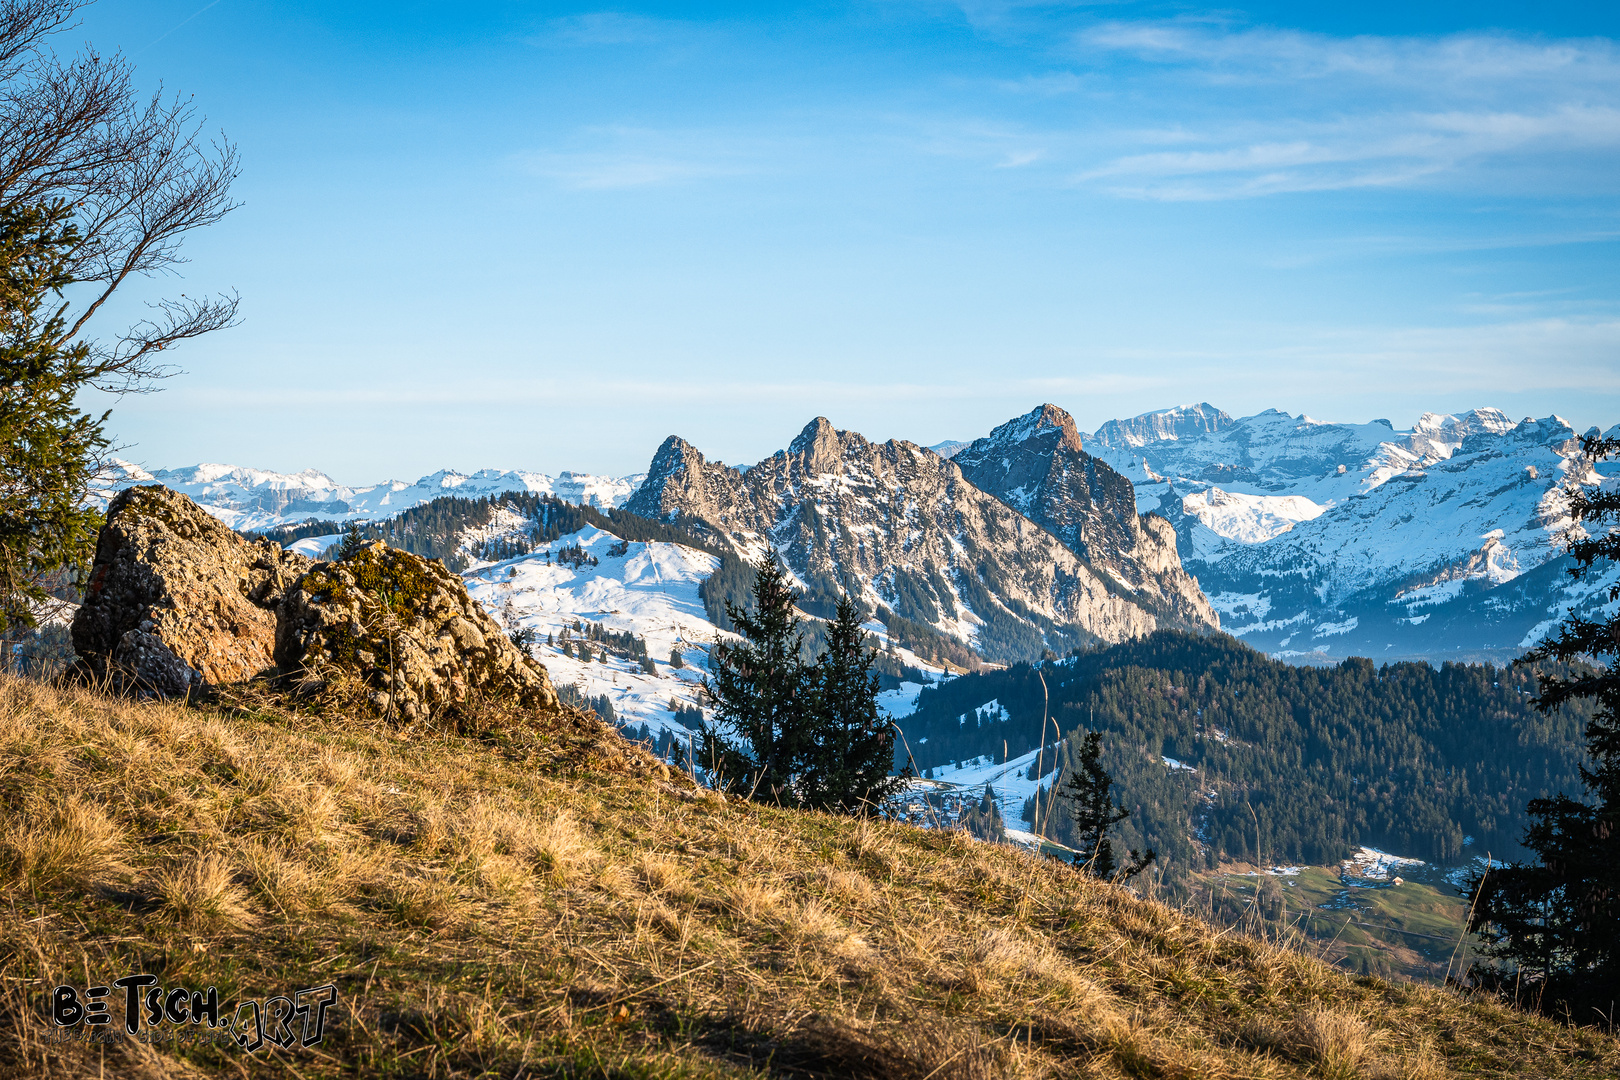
(177,603)
(905,527)
(1035,464)
(683,485)
(404,629)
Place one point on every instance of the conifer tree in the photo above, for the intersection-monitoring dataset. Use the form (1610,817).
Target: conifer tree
(1095,813)
(98,188)
(1556,921)
(850,755)
(984,820)
(758,690)
(48,447)
(351,543)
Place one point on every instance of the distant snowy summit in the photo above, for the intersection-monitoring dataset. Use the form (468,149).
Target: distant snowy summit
(1307,539)
(1326,539)
(246,498)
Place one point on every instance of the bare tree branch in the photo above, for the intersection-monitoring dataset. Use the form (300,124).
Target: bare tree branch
(139,174)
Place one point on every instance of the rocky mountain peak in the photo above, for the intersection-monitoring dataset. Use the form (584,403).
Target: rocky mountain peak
(673,456)
(1035,465)
(820,446)
(1044,422)
(679,480)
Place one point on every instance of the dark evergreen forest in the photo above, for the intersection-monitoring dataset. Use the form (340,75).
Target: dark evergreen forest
(1290,764)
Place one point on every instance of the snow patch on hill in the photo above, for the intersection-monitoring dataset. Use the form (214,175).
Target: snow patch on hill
(646,589)
(1249,519)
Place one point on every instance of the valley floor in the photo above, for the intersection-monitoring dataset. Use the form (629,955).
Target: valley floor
(542,899)
(1411,930)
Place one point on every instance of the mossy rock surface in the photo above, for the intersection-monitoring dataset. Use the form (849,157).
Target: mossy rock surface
(403,631)
(179,605)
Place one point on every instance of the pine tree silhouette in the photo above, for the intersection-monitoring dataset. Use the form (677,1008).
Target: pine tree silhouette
(1555,923)
(1095,813)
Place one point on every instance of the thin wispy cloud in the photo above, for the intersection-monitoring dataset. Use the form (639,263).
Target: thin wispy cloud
(1358,112)
(1430,63)
(1371,151)
(619,158)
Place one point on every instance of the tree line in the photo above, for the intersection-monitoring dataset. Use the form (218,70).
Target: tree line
(434,529)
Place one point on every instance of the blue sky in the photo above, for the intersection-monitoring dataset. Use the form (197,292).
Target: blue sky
(547,236)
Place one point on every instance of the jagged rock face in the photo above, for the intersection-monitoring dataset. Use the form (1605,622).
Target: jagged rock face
(177,603)
(681,483)
(405,629)
(1036,465)
(908,530)
(1185,422)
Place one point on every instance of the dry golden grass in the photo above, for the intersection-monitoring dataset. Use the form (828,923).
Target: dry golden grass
(521,901)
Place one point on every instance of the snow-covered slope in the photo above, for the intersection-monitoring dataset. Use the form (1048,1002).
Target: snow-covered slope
(246,498)
(650,590)
(646,589)
(1330,539)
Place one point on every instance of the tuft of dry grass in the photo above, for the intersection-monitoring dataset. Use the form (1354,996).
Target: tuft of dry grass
(200,892)
(498,900)
(72,842)
(1338,1040)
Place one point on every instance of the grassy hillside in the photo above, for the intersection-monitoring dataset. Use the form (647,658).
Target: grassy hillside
(541,901)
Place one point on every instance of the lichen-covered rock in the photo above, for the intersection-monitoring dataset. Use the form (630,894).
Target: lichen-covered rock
(177,603)
(404,628)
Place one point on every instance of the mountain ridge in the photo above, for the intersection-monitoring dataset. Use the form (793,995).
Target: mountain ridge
(1035,464)
(249,499)
(1319,541)
(920,539)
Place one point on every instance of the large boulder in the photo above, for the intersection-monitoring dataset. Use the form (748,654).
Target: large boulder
(403,630)
(177,603)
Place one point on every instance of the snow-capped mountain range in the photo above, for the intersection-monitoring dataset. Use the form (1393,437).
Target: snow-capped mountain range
(1310,540)
(257,499)
(1331,540)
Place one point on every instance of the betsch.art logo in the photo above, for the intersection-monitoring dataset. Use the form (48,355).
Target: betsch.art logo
(248,1023)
